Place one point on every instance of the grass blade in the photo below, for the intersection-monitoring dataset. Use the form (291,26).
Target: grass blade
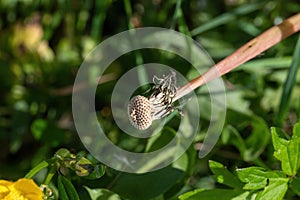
(289,85)
(226,17)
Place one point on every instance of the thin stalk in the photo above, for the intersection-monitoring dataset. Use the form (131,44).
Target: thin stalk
(142,73)
(36,169)
(248,51)
(288,86)
(50,174)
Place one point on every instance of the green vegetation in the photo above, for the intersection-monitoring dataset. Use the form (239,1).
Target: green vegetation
(43,44)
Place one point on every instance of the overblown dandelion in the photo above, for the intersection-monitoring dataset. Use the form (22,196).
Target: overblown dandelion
(142,111)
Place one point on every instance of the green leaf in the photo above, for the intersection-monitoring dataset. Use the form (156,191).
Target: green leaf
(159,140)
(275,190)
(259,134)
(61,189)
(226,17)
(264,66)
(102,194)
(148,185)
(258,139)
(237,97)
(66,189)
(230,135)
(256,177)
(189,194)
(243,196)
(287,151)
(215,194)
(224,176)
(295,186)
(182,162)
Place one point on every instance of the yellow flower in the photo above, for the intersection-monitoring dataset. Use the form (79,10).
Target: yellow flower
(22,189)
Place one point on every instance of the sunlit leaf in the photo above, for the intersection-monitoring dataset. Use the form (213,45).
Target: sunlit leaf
(275,190)
(215,194)
(224,176)
(288,151)
(257,177)
(102,194)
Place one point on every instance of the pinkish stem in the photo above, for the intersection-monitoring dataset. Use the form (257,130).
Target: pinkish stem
(248,51)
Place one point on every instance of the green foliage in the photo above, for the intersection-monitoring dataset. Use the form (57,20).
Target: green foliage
(43,44)
(66,189)
(223,175)
(288,151)
(289,84)
(252,146)
(257,182)
(147,186)
(102,194)
(65,164)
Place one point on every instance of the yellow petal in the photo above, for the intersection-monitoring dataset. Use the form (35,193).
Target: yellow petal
(28,189)
(4,190)
(5,182)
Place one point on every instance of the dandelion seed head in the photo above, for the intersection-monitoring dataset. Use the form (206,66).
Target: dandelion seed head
(139,112)
(142,111)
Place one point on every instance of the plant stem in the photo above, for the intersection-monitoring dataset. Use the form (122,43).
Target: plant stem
(36,169)
(50,174)
(248,51)
(288,86)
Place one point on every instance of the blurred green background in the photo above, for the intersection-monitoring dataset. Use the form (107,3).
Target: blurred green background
(43,43)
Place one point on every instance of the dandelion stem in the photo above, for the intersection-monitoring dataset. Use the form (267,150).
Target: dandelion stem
(248,51)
